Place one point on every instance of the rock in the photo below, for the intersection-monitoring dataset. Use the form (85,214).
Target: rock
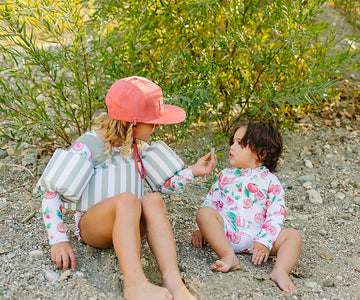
(36,253)
(314,197)
(51,275)
(28,160)
(322,232)
(64,275)
(305,178)
(357,200)
(308,164)
(3,154)
(339,196)
(310,284)
(328,283)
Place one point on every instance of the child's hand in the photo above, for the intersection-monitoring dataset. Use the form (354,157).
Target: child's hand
(197,239)
(204,166)
(62,255)
(260,254)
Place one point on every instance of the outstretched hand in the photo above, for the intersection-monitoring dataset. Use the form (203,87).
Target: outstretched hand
(260,254)
(205,165)
(62,255)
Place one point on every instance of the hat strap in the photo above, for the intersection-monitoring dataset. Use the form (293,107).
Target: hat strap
(137,155)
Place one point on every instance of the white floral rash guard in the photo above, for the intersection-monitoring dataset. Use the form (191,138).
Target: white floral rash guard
(251,202)
(52,203)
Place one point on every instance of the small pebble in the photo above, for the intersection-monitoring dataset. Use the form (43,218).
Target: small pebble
(36,253)
(314,197)
(51,275)
(308,164)
(328,283)
(310,284)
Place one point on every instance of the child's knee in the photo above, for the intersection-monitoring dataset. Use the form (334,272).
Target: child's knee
(203,213)
(294,235)
(127,200)
(153,202)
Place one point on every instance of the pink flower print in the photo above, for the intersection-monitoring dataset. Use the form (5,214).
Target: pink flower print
(78,146)
(277,189)
(167,183)
(218,204)
(268,203)
(238,221)
(220,177)
(47,216)
(282,211)
(269,228)
(60,227)
(259,218)
(252,188)
(248,203)
(60,208)
(267,224)
(236,237)
(226,180)
(259,196)
(271,188)
(229,201)
(264,174)
(49,195)
(243,172)
(228,235)
(211,191)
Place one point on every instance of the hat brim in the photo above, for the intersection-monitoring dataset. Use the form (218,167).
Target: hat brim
(171,114)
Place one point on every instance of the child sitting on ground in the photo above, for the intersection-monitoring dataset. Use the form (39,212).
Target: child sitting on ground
(244,211)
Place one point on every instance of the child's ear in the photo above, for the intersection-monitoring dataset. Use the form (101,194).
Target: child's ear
(262,155)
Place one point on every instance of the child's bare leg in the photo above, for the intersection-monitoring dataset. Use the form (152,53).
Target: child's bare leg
(116,221)
(287,248)
(211,225)
(161,241)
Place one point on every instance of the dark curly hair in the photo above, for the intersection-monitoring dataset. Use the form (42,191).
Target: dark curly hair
(264,139)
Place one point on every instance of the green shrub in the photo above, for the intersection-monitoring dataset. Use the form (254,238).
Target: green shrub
(352,10)
(219,60)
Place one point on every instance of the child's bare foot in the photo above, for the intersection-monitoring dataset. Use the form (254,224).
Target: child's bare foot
(147,291)
(179,291)
(226,263)
(283,280)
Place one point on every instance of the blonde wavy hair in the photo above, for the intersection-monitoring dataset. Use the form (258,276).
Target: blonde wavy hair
(118,134)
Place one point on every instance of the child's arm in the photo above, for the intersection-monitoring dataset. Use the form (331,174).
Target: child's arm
(204,166)
(275,215)
(53,218)
(62,253)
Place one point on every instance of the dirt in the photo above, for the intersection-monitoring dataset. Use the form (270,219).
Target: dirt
(318,156)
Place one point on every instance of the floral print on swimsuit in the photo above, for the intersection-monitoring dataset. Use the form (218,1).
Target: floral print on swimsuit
(251,202)
(177,181)
(52,206)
